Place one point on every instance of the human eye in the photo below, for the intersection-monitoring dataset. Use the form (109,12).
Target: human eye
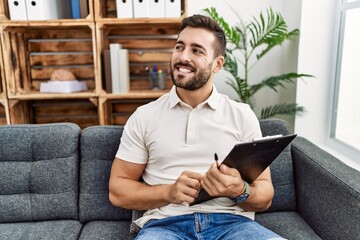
(179,47)
(198,51)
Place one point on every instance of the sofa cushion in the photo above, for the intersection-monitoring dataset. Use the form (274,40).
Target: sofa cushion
(107,230)
(39,172)
(54,230)
(289,225)
(99,145)
(281,169)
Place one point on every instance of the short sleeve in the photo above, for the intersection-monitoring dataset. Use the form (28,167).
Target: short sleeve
(132,145)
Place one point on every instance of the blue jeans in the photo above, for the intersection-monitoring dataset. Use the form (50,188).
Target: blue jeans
(205,226)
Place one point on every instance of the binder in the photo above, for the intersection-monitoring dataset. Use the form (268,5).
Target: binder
(124,8)
(84,8)
(48,9)
(251,159)
(172,8)
(141,8)
(124,76)
(156,8)
(17,9)
(115,74)
(107,71)
(75,9)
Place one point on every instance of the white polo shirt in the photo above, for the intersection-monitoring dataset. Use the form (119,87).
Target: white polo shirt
(171,137)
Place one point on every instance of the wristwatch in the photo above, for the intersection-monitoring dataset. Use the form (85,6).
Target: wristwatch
(242,197)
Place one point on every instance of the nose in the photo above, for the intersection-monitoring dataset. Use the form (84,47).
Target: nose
(185,56)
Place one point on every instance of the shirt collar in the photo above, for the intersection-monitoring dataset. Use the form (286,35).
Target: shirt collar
(212,101)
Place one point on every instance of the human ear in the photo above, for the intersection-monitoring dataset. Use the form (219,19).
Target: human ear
(219,62)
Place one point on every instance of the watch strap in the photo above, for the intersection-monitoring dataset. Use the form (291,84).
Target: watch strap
(242,197)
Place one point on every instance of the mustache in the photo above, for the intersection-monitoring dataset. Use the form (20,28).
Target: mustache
(180,64)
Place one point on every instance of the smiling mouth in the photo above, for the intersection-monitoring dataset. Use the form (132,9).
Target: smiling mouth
(183,68)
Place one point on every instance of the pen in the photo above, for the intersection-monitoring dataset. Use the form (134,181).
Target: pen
(216,160)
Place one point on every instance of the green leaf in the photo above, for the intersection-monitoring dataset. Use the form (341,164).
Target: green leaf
(291,109)
(231,34)
(277,81)
(271,32)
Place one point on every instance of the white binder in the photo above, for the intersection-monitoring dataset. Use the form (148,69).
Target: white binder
(172,8)
(115,73)
(124,8)
(17,9)
(141,8)
(48,9)
(124,74)
(156,8)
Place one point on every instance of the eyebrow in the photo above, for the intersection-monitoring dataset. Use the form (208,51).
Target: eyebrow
(192,45)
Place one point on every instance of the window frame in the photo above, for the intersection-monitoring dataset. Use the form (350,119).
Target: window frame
(338,145)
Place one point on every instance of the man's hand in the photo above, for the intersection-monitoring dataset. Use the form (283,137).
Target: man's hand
(186,188)
(223,182)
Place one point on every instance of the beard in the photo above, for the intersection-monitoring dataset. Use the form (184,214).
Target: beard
(196,82)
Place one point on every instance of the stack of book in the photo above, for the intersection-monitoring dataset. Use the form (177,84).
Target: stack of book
(116,69)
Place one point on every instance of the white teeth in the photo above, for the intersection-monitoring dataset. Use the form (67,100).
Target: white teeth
(184,70)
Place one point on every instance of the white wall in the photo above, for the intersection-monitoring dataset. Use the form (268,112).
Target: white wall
(317,53)
(278,61)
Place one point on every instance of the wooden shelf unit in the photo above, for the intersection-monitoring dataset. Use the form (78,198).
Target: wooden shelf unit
(32,50)
(80,111)
(148,43)
(4,107)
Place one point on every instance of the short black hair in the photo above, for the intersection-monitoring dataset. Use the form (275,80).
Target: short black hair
(201,21)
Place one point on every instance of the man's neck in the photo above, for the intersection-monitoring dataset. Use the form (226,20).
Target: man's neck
(194,98)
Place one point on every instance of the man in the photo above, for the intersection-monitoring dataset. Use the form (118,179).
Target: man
(167,151)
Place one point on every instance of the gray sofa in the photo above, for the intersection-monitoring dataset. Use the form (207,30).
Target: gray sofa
(54,185)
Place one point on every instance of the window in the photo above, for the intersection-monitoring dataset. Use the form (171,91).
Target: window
(346,113)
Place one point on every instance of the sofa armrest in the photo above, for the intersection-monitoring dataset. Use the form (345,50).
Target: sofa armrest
(327,191)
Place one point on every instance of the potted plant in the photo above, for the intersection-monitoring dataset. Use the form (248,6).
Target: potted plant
(252,41)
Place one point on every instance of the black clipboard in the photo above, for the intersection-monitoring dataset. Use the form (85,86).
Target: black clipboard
(251,159)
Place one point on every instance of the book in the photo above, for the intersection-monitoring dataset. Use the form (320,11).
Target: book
(252,158)
(63,86)
(84,8)
(75,9)
(107,71)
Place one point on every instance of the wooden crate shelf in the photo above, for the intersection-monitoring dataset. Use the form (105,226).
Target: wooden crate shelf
(4,112)
(32,53)
(31,50)
(80,111)
(2,75)
(148,43)
(117,112)
(4,109)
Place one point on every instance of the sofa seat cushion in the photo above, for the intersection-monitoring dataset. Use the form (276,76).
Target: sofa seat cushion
(107,230)
(289,225)
(59,229)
